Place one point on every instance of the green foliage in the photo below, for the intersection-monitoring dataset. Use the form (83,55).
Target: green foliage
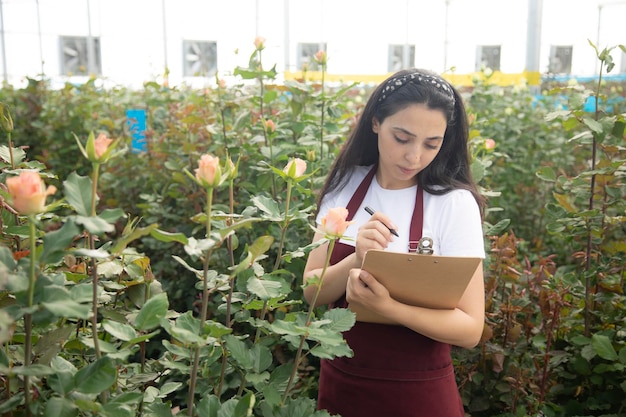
(141,292)
(554,341)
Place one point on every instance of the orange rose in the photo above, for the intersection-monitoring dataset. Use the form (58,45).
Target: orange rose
(209,171)
(334,223)
(490,144)
(298,170)
(28,192)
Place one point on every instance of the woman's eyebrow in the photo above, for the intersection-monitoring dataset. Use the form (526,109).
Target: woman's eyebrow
(413,135)
(403,130)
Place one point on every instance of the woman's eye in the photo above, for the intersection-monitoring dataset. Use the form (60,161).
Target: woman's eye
(400,140)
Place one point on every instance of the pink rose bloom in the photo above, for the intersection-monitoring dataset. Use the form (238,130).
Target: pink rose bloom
(334,223)
(269,125)
(320,57)
(208,171)
(28,192)
(490,144)
(259,42)
(300,167)
(101,144)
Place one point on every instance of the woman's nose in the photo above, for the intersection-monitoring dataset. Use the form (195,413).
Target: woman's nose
(413,154)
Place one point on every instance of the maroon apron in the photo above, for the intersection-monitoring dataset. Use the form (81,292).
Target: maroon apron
(394,371)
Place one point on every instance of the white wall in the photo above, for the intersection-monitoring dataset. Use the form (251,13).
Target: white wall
(357,33)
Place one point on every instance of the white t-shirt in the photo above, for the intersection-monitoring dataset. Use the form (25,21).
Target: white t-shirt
(452,220)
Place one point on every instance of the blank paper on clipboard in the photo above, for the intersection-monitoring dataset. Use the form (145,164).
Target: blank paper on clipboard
(422,280)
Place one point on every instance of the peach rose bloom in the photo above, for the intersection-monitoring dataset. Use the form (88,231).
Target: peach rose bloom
(208,171)
(490,144)
(259,42)
(320,57)
(101,144)
(334,223)
(269,125)
(300,167)
(28,192)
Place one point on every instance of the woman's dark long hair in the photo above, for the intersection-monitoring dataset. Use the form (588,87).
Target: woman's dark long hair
(451,167)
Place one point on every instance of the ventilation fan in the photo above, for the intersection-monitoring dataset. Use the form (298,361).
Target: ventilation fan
(200,58)
(75,56)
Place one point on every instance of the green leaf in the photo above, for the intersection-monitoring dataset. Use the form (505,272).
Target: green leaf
(268,206)
(264,289)
(496,229)
(245,405)
(324,351)
(208,406)
(122,331)
(98,253)
(96,377)
(7,324)
(77,191)
(60,407)
(95,225)
(603,347)
(17,153)
(163,236)
(141,338)
(592,124)
(112,215)
(6,258)
(546,174)
(118,410)
(152,312)
(55,243)
(169,387)
(341,319)
(64,306)
(32,370)
(62,381)
(137,233)
(260,246)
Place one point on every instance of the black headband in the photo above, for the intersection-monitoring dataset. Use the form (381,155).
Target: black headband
(395,83)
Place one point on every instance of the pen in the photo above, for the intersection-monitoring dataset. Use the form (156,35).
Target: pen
(371,212)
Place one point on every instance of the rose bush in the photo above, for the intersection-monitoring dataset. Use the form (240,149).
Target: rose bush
(156,294)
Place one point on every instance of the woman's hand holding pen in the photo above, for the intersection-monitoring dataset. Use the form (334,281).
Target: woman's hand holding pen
(375,234)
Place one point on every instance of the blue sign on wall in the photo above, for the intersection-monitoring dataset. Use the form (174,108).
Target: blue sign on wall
(136,121)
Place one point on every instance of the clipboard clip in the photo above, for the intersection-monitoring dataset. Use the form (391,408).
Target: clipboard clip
(424,246)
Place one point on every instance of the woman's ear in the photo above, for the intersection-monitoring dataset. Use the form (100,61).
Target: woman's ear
(375,125)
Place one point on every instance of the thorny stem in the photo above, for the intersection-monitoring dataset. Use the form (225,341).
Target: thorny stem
(11,151)
(303,338)
(322,115)
(231,286)
(28,323)
(276,265)
(284,227)
(594,146)
(266,137)
(94,270)
(205,306)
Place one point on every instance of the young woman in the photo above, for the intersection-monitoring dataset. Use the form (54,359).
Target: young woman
(408,160)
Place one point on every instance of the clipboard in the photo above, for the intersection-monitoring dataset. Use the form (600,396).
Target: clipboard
(431,281)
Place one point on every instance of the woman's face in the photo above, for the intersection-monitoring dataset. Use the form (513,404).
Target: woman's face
(408,141)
